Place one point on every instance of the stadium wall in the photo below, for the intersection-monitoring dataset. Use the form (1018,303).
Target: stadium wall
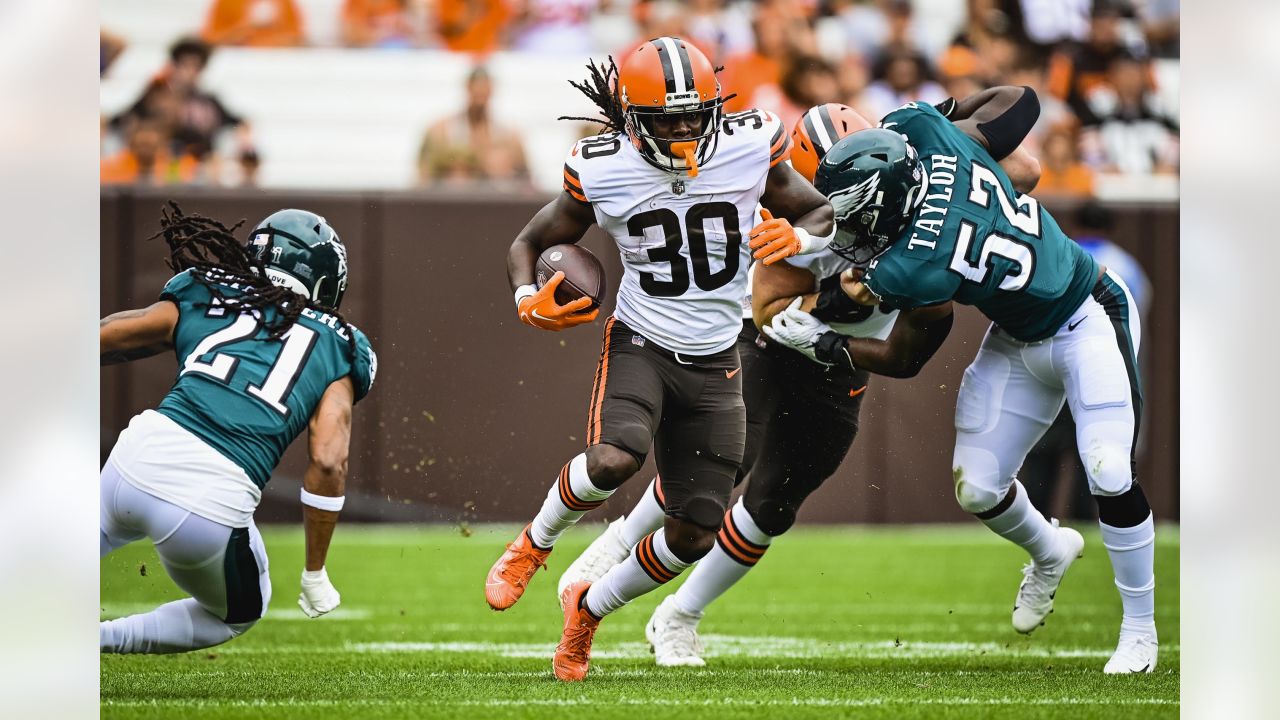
(472,414)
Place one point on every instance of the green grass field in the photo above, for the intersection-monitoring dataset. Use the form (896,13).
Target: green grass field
(836,621)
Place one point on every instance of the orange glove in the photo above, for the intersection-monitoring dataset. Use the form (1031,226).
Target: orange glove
(541,310)
(773,239)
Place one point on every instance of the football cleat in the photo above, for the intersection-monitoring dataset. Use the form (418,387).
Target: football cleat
(603,553)
(1135,654)
(511,574)
(673,635)
(1040,583)
(573,654)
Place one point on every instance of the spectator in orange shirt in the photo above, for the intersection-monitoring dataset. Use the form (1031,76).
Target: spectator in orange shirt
(146,160)
(473,26)
(1061,171)
(380,23)
(744,73)
(254,23)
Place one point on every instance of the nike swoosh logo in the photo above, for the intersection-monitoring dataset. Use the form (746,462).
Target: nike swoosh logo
(540,316)
(1075,324)
(729,375)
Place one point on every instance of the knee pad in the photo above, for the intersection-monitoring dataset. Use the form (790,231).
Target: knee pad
(609,466)
(978,484)
(705,512)
(773,518)
(1109,468)
(694,546)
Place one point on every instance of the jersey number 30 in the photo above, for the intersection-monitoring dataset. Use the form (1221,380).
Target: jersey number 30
(298,342)
(695,220)
(975,263)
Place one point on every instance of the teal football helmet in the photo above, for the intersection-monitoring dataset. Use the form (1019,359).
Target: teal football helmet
(875,182)
(302,252)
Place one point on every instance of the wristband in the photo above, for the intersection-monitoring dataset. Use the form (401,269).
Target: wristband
(810,243)
(323,502)
(833,349)
(836,306)
(525,291)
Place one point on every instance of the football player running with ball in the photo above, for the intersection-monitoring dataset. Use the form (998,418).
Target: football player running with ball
(263,355)
(802,415)
(675,184)
(924,201)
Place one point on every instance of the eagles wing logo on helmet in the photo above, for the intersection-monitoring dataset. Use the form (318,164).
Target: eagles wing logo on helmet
(850,200)
(341,251)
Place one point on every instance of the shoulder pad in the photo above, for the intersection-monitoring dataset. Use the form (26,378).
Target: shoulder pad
(178,286)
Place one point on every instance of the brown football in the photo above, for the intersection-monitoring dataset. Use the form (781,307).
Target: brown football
(583,273)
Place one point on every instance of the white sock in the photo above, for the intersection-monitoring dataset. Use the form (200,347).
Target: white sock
(1024,526)
(571,497)
(645,517)
(650,564)
(738,548)
(1133,556)
(178,626)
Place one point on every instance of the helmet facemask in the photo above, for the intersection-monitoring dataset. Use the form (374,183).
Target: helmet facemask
(658,151)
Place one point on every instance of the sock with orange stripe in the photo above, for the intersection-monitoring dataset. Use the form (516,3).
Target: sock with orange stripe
(650,564)
(739,546)
(645,517)
(568,500)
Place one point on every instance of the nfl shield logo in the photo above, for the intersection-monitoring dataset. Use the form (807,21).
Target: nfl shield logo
(637,340)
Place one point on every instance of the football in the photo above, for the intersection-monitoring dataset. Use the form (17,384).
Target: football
(583,273)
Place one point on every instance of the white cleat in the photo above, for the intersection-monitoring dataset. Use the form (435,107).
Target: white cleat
(603,553)
(673,636)
(1134,654)
(1040,584)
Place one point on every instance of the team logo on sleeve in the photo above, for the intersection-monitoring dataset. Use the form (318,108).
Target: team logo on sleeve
(850,200)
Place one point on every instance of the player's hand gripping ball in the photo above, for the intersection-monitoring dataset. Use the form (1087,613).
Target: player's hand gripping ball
(570,289)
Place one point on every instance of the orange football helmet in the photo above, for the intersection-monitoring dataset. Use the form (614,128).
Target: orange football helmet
(664,77)
(817,130)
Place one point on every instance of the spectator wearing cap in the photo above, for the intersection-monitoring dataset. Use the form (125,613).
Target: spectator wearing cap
(471,146)
(1125,129)
(254,23)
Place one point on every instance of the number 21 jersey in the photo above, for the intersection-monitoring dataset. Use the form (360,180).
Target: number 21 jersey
(682,239)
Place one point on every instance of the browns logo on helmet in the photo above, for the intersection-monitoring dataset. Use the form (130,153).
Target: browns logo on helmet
(664,77)
(817,130)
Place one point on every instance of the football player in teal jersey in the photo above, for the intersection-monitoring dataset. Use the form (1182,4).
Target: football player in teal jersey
(263,354)
(924,201)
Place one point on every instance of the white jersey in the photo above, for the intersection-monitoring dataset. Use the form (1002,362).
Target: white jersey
(683,240)
(825,264)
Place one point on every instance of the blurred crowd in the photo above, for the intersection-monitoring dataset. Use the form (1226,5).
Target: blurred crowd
(1093,62)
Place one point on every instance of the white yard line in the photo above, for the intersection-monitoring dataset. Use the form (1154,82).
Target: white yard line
(624,701)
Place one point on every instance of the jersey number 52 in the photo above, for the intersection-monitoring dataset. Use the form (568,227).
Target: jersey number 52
(975,263)
(695,220)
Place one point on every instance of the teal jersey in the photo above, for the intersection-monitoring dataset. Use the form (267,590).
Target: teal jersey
(976,241)
(244,394)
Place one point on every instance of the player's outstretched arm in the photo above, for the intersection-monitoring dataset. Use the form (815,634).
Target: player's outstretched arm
(135,334)
(323,490)
(563,220)
(796,218)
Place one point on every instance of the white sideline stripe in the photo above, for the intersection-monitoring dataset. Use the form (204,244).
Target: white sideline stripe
(646,702)
(758,647)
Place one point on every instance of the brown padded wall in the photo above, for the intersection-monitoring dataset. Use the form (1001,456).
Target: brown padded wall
(473,414)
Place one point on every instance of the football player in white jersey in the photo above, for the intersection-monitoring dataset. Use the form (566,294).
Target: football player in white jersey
(675,184)
(802,415)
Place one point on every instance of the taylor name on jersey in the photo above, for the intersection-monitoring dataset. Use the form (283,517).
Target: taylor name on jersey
(681,235)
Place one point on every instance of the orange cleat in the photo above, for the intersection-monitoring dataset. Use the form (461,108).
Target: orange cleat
(511,574)
(573,654)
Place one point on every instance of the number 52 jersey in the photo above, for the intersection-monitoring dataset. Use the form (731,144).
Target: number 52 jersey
(246,396)
(976,241)
(681,238)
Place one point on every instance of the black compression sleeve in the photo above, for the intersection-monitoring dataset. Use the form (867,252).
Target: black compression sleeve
(833,349)
(1006,131)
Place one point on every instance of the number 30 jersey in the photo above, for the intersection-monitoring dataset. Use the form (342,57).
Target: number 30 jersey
(246,396)
(682,239)
(977,241)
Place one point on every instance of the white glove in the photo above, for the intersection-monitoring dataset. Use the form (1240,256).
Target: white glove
(797,330)
(319,596)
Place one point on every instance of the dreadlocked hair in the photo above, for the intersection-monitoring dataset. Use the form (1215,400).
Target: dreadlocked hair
(222,263)
(601,88)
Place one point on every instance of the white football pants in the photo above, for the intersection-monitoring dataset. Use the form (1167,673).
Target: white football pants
(1013,391)
(224,569)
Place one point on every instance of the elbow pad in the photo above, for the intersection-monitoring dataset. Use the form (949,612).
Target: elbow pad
(1006,131)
